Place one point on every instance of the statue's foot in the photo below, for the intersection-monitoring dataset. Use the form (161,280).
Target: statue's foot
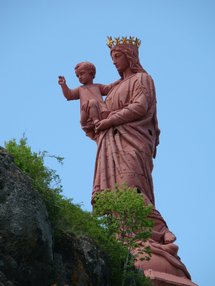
(171,248)
(169,237)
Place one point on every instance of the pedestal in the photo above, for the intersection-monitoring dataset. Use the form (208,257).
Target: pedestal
(165,279)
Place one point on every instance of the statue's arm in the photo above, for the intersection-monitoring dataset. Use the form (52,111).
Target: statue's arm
(141,100)
(105,88)
(137,108)
(69,94)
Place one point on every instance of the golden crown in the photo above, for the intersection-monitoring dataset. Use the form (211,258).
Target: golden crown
(112,42)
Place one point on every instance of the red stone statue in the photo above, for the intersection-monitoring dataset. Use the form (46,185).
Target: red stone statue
(127,137)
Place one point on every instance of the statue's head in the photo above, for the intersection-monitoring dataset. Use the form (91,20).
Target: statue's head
(86,66)
(129,47)
(85,71)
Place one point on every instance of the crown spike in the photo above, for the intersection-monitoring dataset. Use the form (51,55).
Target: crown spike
(137,42)
(117,41)
(109,42)
(124,40)
(131,40)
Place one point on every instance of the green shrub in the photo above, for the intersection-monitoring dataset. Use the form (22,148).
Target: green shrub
(45,180)
(124,214)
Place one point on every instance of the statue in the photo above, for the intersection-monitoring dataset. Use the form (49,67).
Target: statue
(92,106)
(127,138)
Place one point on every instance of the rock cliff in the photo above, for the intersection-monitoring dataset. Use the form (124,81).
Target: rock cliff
(29,254)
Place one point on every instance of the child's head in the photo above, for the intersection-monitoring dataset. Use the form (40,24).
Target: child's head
(85,72)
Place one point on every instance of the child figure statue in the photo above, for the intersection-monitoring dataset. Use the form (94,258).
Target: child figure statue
(92,107)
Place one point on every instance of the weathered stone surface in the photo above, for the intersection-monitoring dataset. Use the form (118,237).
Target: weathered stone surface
(78,261)
(4,281)
(25,232)
(29,256)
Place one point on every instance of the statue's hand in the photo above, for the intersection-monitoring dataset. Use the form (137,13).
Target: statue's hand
(61,80)
(103,124)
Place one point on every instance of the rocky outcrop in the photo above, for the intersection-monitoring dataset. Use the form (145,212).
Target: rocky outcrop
(25,231)
(29,255)
(79,261)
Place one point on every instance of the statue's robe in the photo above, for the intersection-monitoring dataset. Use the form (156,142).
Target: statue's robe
(125,155)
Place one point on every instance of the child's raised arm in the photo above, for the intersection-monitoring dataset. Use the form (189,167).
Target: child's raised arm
(70,94)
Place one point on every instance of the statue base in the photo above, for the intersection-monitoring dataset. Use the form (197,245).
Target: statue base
(165,279)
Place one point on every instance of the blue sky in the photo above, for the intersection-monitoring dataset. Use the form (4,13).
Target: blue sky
(45,38)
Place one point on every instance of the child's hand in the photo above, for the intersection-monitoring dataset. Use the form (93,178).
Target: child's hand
(61,80)
(103,124)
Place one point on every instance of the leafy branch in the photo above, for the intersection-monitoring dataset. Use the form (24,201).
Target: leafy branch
(124,214)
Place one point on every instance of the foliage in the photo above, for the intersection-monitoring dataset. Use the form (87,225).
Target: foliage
(136,278)
(124,214)
(64,214)
(45,180)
